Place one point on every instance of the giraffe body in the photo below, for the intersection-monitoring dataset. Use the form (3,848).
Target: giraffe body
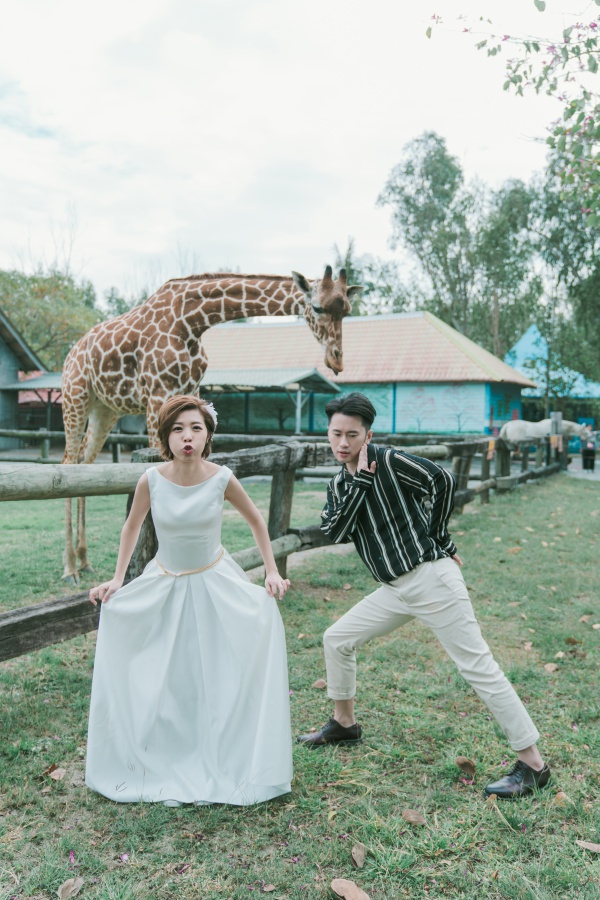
(133,363)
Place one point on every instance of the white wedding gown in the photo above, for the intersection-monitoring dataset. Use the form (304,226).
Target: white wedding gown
(190,698)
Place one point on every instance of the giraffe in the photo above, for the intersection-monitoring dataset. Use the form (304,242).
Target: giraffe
(134,362)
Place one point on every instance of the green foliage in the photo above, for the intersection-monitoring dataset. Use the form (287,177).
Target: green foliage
(116,304)
(559,66)
(383,291)
(50,309)
(472,245)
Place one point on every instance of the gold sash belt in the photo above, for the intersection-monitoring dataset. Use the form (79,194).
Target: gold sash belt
(191,571)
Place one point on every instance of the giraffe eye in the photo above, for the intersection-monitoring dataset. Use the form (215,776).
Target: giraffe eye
(318,309)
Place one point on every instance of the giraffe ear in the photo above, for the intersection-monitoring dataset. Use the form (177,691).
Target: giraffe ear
(354,289)
(301,282)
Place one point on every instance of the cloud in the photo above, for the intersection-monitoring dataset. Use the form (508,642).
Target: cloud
(250,131)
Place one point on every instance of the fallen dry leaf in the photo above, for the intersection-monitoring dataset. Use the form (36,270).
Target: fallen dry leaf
(559,655)
(560,798)
(551,667)
(587,845)
(58,774)
(300,636)
(530,530)
(497,539)
(46,790)
(596,626)
(527,645)
(326,599)
(466,765)
(414,817)
(69,888)
(544,543)
(50,769)
(347,586)
(585,619)
(348,889)
(320,683)
(491,799)
(267,888)
(359,852)
(514,549)
(523,616)
(552,588)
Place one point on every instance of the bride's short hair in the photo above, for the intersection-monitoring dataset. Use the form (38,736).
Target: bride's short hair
(170,412)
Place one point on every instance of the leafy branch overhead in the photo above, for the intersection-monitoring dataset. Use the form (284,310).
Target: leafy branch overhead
(563,66)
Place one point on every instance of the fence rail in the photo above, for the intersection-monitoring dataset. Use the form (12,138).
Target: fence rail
(33,627)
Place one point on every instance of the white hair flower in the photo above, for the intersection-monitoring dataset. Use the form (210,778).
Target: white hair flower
(212,412)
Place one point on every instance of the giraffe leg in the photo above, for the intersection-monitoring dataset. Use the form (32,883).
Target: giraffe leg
(100,424)
(70,573)
(75,416)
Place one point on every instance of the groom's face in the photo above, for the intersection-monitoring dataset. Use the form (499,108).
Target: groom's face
(346,436)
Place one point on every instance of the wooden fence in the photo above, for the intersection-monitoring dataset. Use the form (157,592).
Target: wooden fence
(33,627)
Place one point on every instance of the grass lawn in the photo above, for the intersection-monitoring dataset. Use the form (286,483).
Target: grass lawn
(531,562)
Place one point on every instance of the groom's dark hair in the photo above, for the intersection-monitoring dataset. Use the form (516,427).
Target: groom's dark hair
(354,404)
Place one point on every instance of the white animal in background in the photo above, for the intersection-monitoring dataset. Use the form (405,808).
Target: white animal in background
(518,430)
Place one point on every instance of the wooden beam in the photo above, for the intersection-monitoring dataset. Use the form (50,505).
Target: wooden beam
(33,627)
(32,482)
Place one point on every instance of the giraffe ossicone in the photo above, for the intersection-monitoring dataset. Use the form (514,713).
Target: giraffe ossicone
(133,363)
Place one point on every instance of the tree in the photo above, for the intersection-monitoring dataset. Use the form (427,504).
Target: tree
(116,303)
(382,291)
(471,245)
(50,309)
(559,66)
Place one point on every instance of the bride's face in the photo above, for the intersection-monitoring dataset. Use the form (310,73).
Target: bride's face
(188,435)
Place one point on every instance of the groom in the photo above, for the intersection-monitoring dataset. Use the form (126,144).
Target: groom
(378,500)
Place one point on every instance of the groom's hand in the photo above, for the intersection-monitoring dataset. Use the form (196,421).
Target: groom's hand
(363,461)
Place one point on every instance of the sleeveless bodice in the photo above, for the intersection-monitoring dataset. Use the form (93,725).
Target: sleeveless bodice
(187,520)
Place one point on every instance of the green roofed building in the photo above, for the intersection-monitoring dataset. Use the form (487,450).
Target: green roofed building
(422,375)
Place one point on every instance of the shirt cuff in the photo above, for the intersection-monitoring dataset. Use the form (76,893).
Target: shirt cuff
(364,478)
(449,548)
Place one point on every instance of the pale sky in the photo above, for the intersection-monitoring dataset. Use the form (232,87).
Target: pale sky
(166,136)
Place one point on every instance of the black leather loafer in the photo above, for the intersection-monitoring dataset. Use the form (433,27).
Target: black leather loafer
(521,781)
(332,733)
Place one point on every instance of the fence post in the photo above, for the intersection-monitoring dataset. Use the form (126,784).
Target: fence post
(485,474)
(502,459)
(461,466)
(539,453)
(524,457)
(116,453)
(280,506)
(147,544)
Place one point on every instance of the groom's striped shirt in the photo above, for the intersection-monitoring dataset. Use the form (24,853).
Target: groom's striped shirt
(396,516)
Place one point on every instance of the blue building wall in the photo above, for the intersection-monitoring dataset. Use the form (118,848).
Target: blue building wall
(428,408)
(503,403)
(421,408)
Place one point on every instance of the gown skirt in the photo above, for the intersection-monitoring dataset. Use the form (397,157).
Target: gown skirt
(190,698)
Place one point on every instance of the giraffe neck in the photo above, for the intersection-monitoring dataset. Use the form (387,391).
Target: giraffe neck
(239,297)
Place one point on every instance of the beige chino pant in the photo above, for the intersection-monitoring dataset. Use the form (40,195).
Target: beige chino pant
(435,593)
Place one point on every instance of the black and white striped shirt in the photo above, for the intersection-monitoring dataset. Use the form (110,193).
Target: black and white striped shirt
(384,512)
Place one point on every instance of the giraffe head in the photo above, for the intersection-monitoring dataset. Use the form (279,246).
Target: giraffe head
(327,302)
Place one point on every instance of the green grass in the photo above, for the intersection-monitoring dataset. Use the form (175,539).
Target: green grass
(32,540)
(417,713)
